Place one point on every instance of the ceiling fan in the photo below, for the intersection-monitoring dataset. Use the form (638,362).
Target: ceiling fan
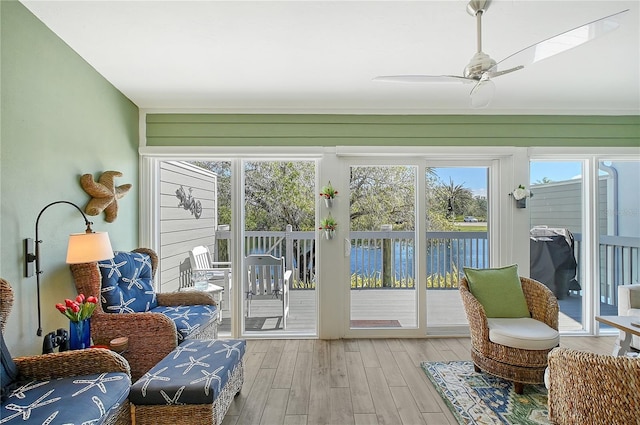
(482,68)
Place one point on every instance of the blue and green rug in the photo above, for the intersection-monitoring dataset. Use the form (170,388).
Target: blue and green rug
(479,398)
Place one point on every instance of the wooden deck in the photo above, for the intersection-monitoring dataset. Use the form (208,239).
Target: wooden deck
(444,308)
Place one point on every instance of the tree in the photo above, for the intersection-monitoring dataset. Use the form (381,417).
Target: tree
(278,193)
(382,195)
(452,198)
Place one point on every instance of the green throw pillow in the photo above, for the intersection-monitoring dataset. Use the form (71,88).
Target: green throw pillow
(498,290)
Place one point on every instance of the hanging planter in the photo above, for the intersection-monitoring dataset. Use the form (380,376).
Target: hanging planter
(328,225)
(520,195)
(328,193)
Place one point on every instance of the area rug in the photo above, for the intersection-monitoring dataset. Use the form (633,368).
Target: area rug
(479,398)
(375,324)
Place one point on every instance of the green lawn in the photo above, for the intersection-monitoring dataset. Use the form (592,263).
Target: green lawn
(472,227)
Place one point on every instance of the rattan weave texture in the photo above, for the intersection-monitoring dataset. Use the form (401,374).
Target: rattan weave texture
(193,414)
(151,335)
(67,363)
(517,365)
(589,388)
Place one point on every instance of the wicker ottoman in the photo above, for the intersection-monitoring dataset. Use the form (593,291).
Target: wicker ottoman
(194,384)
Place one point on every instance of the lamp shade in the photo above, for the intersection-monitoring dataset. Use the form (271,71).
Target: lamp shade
(88,247)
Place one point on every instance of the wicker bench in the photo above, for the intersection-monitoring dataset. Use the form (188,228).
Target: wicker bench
(193,384)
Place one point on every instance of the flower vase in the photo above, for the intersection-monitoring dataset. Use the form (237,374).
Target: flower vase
(80,334)
(521,203)
(328,202)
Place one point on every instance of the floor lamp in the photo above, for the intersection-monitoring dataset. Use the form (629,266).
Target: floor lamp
(84,247)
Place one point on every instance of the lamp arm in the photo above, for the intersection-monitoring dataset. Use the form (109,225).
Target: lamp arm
(31,257)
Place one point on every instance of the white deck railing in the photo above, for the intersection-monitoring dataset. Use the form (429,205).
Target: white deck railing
(384,259)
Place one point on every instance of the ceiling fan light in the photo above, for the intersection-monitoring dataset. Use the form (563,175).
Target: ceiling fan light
(482,94)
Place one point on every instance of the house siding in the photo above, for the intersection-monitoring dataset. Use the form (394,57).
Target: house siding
(180,229)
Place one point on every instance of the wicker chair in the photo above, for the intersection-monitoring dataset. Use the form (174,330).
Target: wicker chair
(151,335)
(589,388)
(50,367)
(513,364)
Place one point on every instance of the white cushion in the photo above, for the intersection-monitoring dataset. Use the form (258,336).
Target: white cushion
(523,333)
(633,312)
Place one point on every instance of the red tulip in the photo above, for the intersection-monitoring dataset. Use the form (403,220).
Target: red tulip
(69,303)
(80,298)
(61,308)
(91,299)
(75,308)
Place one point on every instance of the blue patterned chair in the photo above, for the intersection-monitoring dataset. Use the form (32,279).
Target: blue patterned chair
(155,323)
(82,386)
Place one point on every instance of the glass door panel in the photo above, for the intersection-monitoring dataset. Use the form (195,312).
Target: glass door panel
(618,228)
(456,215)
(195,210)
(279,221)
(382,214)
(556,211)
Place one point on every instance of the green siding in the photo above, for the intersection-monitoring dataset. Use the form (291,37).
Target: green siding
(380,130)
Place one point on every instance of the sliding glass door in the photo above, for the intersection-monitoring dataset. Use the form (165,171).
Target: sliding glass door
(279,223)
(383,290)
(456,216)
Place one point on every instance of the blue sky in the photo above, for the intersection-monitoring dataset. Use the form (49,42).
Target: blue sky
(475,179)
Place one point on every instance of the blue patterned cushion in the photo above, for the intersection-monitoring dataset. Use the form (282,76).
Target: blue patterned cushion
(127,283)
(188,318)
(75,400)
(194,373)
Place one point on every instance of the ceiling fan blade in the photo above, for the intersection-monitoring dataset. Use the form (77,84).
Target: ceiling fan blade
(559,43)
(495,73)
(423,79)
(482,93)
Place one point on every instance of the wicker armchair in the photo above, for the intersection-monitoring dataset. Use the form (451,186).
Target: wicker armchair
(50,367)
(513,364)
(589,388)
(151,335)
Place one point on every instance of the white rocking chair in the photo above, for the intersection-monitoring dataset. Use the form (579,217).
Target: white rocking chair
(266,275)
(217,273)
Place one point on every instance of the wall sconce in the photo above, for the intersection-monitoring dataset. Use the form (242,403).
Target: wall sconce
(84,247)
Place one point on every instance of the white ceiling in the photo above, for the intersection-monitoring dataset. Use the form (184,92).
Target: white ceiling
(320,56)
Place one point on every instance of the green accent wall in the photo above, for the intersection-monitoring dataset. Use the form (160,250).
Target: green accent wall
(60,119)
(393,130)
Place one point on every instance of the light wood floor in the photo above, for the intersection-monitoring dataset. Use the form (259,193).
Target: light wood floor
(355,381)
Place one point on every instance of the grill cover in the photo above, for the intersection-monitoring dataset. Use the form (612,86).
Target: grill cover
(552,261)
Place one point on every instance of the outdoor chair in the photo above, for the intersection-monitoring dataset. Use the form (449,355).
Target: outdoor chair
(590,388)
(217,273)
(629,305)
(512,345)
(79,386)
(267,278)
(155,323)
